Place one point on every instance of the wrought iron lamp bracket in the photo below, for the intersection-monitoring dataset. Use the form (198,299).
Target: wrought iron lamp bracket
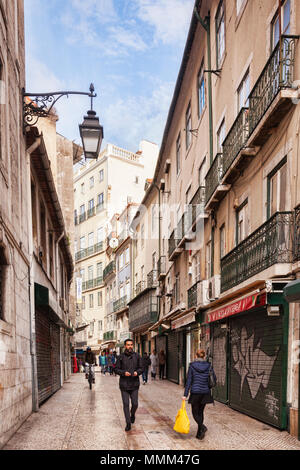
(41,104)
(216,72)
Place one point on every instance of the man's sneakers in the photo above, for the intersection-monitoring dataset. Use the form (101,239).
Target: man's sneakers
(128,427)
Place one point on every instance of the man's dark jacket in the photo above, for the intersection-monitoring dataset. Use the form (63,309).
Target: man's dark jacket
(89,357)
(129,362)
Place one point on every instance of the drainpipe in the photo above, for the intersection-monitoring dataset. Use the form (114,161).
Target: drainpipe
(35,403)
(206,25)
(57,300)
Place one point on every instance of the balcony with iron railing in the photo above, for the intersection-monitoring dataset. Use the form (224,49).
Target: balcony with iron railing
(92,283)
(143,311)
(120,304)
(110,269)
(82,217)
(269,101)
(152,279)
(271,96)
(192,295)
(86,252)
(91,212)
(110,335)
(270,244)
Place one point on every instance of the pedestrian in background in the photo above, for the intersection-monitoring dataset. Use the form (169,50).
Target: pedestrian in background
(110,362)
(162,363)
(154,364)
(103,362)
(129,367)
(198,386)
(146,362)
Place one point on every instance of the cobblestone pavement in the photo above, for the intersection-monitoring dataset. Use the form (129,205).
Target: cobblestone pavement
(76,418)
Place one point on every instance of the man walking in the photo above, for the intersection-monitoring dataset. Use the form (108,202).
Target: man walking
(129,367)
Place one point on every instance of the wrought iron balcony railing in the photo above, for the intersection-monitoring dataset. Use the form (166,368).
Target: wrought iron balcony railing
(173,242)
(120,303)
(214,176)
(192,295)
(296,250)
(82,217)
(143,311)
(91,212)
(277,74)
(270,244)
(92,283)
(89,251)
(110,335)
(110,268)
(152,278)
(236,139)
(99,208)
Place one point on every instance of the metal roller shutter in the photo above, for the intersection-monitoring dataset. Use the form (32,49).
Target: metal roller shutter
(172,358)
(256,378)
(43,352)
(48,356)
(219,362)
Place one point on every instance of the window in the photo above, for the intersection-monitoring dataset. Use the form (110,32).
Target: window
(277,189)
(177,289)
(154,218)
(83,302)
(82,189)
(188,126)
(242,222)
(100,235)
(127,256)
(154,260)
(100,299)
(243,92)
(91,239)
(202,173)
(121,260)
(201,91)
(92,182)
(82,274)
(221,137)
(101,176)
(222,241)
(285,23)
(220,33)
(91,300)
(100,201)
(91,333)
(91,204)
(82,243)
(100,324)
(90,273)
(99,269)
(178,155)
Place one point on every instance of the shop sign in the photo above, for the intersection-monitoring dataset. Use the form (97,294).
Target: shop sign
(186,320)
(241,305)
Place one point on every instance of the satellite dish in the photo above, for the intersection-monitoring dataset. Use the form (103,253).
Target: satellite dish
(113,243)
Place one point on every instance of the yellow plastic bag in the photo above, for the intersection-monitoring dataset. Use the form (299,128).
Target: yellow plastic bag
(182,422)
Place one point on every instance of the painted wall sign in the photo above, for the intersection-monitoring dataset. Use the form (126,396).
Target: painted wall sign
(242,305)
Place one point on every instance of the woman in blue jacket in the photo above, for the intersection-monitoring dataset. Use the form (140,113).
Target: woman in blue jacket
(197,384)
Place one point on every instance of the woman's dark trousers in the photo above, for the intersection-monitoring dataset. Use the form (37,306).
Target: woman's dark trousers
(198,415)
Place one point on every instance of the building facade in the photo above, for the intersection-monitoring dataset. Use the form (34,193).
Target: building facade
(102,190)
(228,170)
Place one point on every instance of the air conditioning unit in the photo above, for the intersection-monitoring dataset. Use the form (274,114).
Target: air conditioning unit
(202,294)
(214,288)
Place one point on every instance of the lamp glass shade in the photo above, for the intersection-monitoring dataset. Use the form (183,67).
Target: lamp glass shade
(91,133)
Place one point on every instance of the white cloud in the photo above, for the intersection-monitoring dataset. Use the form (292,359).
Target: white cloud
(169,18)
(138,117)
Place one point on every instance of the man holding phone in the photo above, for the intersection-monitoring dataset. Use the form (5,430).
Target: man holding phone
(129,367)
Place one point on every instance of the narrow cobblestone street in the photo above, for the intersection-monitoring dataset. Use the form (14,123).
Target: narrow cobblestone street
(76,418)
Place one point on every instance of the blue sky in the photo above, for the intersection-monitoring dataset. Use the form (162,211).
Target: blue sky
(130,49)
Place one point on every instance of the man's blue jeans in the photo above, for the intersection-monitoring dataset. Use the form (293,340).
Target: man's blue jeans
(145,375)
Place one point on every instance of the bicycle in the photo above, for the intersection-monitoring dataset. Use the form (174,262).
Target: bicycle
(90,376)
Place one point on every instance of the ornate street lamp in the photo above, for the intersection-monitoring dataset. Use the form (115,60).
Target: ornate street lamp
(91,131)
